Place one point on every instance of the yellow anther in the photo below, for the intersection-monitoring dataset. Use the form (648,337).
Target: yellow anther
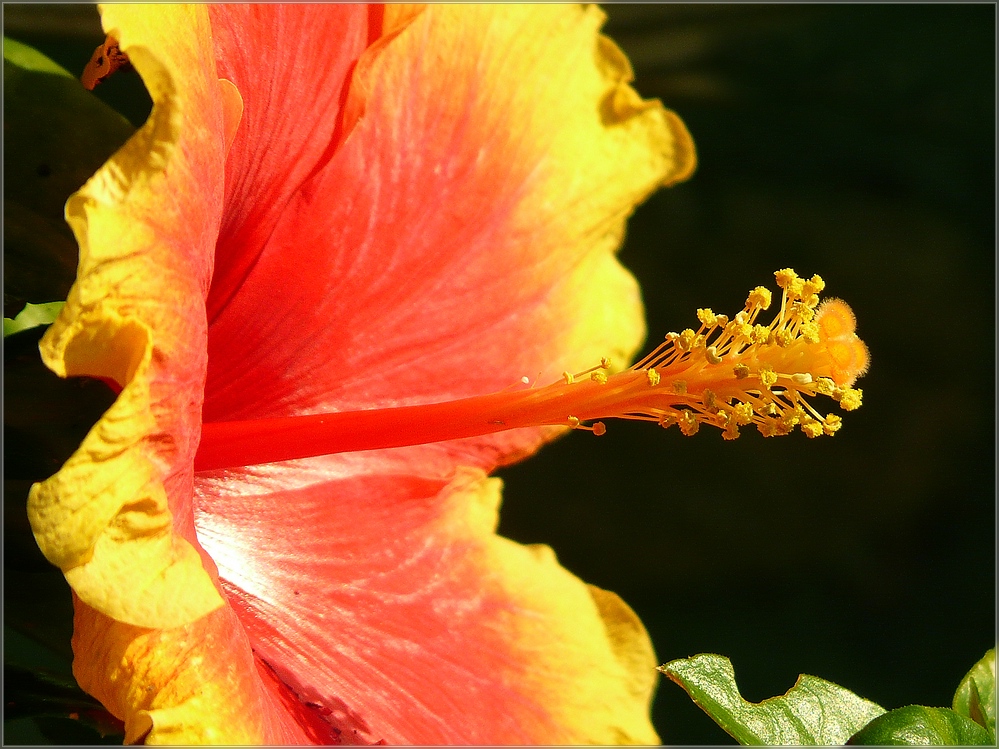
(760,334)
(771,370)
(767,428)
(825,386)
(688,423)
(736,329)
(599,429)
(710,400)
(831,424)
(802,311)
(850,401)
(811,428)
(759,297)
(666,421)
(739,326)
(707,317)
(743,414)
(784,426)
(785,277)
(814,285)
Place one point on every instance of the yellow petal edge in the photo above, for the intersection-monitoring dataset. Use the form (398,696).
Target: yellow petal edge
(104,518)
(592,664)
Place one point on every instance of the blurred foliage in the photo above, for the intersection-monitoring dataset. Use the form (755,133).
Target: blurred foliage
(915,725)
(854,141)
(60,135)
(32,316)
(57,135)
(975,697)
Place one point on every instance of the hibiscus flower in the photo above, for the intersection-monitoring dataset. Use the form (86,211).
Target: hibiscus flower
(336,209)
(331,276)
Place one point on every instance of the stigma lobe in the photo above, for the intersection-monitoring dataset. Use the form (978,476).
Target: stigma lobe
(107,59)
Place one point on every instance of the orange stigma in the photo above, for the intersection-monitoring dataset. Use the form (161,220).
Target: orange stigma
(107,59)
(729,373)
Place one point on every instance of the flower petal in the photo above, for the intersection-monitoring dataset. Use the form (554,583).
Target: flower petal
(291,64)
(461,235)
(430,629)
(195,684)
(390,596)
(146,224)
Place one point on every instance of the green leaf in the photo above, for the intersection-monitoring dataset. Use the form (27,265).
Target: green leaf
(56,135)
(39,686)
(31,59)
(924,726)
(976,694)
(814,712)
(39,693)
(32,316)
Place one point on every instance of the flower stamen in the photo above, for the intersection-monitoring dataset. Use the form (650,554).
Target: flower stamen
(729,374)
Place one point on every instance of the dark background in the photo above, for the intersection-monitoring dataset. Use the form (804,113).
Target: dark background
(853,141)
